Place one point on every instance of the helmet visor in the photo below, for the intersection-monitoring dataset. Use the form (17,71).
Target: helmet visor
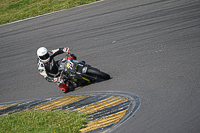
(44,57)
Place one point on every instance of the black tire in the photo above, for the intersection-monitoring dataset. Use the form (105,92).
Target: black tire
(98,73)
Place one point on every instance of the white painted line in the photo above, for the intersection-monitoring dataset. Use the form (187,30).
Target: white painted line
(50,13)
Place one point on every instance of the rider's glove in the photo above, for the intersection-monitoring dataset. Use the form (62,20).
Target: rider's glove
(66,49)
(58,80)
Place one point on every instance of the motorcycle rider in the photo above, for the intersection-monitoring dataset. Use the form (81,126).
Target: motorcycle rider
(48,67)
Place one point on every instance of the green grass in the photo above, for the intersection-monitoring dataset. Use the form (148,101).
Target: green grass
(13,10)
(61,121)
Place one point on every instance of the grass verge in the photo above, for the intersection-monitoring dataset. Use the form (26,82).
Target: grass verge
(61,121)
(13,10)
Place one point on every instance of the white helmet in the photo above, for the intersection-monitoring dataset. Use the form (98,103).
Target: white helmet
(43,55)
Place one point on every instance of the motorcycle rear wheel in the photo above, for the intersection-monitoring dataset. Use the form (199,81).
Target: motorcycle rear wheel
(98,73)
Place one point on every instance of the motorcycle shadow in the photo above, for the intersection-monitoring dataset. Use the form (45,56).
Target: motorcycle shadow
(85,84)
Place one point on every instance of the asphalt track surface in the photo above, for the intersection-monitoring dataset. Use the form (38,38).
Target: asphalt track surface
(151,48)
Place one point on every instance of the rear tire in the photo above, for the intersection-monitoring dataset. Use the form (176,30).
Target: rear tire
(98,73)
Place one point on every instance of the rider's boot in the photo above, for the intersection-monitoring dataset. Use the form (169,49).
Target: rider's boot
(64,87)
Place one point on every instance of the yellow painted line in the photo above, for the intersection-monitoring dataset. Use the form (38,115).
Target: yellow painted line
(99,103)
(7,106)
(2,107)
(111,119)
(44,105)
(94,107)
(72,100)
(59,102)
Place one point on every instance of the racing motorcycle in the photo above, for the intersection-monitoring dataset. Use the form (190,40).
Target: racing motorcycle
(78,73)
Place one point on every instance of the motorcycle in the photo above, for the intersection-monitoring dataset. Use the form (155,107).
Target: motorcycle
(78,73)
